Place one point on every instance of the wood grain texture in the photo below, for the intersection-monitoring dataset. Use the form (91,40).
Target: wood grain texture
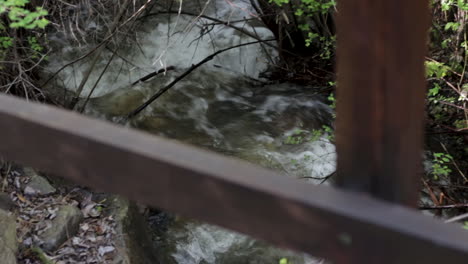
(343,226)
(381,91)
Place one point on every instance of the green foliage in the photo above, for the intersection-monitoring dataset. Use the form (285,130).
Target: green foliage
(447,95)
(309,10)
(21,37)
(460,124)
(6,42)
(436,69)
(438,107)
(465,225)
(328,131)
(452,26)
(332,100)
(434,91)
(21,17)
(279,2)
(309,7)
(316,134)
(440,166)
(310,35)
(328,47)
(446,5)
(316,6)
(36,48)
(298,137)
(301,136)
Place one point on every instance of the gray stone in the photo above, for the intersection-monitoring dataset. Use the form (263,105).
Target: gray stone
(29,172)
(8,242)
(133,241)
(38,185)
(64,226)
(5,202)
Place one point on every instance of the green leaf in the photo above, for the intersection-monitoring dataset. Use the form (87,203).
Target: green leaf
(435,90)
(452,26)
(299,12)
(437,69)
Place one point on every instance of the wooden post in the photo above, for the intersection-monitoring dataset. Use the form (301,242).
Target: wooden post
(381,87)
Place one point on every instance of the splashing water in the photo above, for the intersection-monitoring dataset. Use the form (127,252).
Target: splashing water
(222,106)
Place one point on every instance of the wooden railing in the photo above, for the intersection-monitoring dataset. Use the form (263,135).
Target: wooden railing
(381,95)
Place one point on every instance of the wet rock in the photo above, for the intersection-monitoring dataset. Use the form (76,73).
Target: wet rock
(119,102)
(5,202)
(63,226)
(38,185)
(59,93)
(133,235)
(8,244)
(153,123)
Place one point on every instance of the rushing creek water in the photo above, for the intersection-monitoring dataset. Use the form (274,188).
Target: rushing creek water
(223,106)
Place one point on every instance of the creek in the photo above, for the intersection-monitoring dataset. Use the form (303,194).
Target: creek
(225,106)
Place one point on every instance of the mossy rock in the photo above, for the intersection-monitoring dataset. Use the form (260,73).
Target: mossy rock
(133,241)
(8,242)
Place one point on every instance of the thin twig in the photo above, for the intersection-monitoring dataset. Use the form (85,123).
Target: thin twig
(183,75)
(437,207)
(96,83)
(322,179)
(454,163)
(153,74)
(97,47)
(97,55)
(457,218)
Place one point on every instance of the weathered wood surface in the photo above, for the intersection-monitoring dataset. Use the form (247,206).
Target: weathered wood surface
(381,87)
(320,220)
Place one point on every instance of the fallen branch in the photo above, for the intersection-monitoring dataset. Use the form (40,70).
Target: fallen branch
(151,75)
(183,75)
(322,179)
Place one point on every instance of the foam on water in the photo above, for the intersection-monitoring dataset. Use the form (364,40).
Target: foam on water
(168,40)
(224,116)
(203,243)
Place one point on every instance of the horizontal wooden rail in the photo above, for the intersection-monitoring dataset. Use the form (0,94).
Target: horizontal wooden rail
(342,226)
